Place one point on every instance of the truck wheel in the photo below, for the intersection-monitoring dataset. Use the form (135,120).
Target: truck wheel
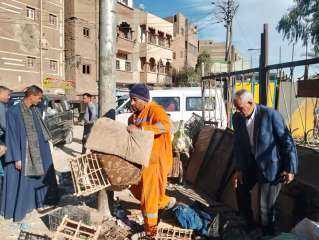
(69,137)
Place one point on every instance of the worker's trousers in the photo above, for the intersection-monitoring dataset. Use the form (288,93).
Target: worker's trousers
(151,192)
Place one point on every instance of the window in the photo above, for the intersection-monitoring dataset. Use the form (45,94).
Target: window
(195,103)
(125,31)
(30,62)
(174,55)
(152,65)
(31,13)
(53,65)
(124,2)
(53,19)
(86,69)
(170,104)
(86,32)
(127,66)
(182,31)
(182,54)
(117,65)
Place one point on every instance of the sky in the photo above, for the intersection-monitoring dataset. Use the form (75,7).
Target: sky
(247,25)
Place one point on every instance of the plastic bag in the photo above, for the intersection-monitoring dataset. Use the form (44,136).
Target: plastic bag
(181,141)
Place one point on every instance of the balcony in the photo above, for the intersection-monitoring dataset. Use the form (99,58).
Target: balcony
(125,44)
(155,78)
(124,77)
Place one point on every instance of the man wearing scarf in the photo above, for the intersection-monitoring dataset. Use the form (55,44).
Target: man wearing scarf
(149,116)
(28,170)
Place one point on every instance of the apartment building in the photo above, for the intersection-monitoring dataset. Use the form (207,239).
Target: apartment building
(156,54)
(143,51)
(81,34)
(185,43)
(217,51)
(32,44)
(127,56)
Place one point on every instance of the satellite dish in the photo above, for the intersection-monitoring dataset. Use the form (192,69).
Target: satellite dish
(28,35)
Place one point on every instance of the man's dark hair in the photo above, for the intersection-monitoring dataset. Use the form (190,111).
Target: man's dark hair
(33,90)
(87,95)
(3,88)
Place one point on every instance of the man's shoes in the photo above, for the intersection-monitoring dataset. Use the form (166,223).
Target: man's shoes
(171,203)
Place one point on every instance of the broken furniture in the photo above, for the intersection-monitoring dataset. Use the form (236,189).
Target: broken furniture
(87,175)
(72,230)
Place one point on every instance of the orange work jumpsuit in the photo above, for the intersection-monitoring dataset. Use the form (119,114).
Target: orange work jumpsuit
(151,189)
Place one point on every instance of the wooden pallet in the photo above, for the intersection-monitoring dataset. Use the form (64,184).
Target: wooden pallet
(72,230)
(87,175)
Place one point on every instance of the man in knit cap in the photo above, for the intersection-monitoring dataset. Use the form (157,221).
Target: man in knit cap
(149,116)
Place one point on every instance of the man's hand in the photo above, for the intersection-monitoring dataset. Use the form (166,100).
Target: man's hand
(237,179)
(287,177)
(3,150)
(18,165)
(130,128)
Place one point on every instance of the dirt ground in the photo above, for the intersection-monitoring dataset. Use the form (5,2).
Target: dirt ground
(32,223)
(83,208)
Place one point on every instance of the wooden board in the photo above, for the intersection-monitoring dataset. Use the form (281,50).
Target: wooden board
(215,171)
(198,155)
(308,88)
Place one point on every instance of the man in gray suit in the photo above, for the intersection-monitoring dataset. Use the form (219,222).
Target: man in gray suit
(264,153)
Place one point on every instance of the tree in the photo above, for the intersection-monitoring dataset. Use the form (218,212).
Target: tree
(205,58)
(187,77)
(302,23)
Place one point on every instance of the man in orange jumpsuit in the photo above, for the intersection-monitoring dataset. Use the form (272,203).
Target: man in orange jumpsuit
(149,116)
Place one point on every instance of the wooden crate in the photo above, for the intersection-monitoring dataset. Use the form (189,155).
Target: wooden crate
(87,175)
(173,233)
(69,229)
(31,236)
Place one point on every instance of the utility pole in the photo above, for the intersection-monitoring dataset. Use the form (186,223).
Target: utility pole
(107,55)
(40,42)
(263,72)
(226,12)
(106,81)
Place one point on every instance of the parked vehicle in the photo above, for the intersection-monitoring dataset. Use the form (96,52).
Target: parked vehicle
(180,103)
(57,115)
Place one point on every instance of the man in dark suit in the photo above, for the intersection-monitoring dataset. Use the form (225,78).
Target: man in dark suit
(264,153)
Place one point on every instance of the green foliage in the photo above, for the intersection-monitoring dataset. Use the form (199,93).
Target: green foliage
(204,57)
(302,23)
(187,77)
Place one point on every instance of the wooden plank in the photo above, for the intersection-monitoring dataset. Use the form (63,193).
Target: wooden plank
(214,173)
(308,88)
(198,155)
